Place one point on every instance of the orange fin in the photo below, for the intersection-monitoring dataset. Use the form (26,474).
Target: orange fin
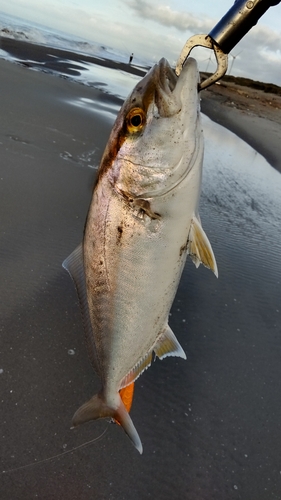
(127,394)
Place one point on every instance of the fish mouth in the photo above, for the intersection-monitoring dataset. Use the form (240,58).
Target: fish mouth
(167,76)
(165,85)
(170,94)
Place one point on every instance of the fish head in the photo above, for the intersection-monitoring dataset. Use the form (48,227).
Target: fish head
(156,138)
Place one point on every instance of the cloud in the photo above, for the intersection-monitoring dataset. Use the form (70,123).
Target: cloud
(260,58)
(164,15)
(260,38)
(163,33)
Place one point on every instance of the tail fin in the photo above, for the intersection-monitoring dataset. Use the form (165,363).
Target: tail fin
(96,408)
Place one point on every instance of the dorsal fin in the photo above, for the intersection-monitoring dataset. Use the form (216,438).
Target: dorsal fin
(74,266)
(199,247)
(168,345)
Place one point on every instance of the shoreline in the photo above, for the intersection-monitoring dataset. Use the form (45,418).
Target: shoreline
(252,115)
(55,59)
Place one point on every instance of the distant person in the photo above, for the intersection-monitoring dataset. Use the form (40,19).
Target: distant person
(131,58)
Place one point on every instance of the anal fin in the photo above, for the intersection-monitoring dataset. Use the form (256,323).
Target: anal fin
(165,345)
(199,247)
(168,345)
(137,370)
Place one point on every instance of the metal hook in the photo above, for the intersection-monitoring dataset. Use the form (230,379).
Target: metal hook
(204,41)
(239,19)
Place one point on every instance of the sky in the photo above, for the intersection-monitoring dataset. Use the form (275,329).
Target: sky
(159,28)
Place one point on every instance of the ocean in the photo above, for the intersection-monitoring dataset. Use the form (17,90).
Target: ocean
(90,55)
(28,31)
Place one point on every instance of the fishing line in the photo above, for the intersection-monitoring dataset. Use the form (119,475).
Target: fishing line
(56,456)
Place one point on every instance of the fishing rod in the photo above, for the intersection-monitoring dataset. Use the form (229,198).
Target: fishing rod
(233,26)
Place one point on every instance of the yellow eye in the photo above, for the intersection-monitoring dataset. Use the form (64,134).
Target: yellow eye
(135,120)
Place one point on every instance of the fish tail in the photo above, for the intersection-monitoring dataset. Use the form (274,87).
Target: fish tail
(96,408)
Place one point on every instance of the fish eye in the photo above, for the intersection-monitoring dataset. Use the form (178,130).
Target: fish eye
(135,120)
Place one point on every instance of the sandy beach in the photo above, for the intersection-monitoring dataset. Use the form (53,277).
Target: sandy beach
(210,425)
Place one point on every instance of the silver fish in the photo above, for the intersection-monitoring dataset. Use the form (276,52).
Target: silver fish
(141,225)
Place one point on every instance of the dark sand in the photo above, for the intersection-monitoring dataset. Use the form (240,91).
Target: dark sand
(210,426)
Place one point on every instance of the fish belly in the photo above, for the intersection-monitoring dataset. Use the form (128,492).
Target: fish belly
(133,265)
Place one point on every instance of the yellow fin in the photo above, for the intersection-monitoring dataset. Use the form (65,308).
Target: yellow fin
(199,247)
(165,345)
(168,345)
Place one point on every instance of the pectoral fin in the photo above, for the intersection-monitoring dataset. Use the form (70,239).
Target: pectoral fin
(199,247)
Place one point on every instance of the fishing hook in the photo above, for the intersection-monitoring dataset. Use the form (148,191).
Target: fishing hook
(239,19)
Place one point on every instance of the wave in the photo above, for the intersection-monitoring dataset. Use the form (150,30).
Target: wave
(22,30)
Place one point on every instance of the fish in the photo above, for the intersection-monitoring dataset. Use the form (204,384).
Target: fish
(142,223)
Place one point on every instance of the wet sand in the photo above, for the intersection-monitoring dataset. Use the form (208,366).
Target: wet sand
(37,56)
(210,425)
(253,115)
